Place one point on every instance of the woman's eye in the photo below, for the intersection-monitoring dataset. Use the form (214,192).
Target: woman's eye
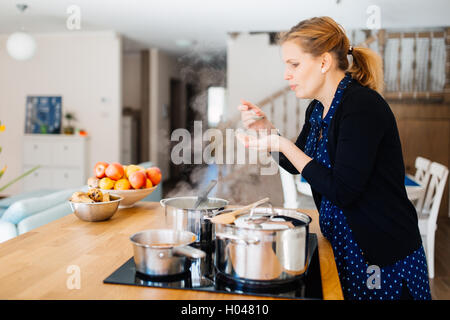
(295,65)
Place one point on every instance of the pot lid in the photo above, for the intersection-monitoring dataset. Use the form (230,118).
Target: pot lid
(266,218)
(263,222)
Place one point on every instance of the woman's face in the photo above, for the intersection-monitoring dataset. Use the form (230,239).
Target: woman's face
(303,71)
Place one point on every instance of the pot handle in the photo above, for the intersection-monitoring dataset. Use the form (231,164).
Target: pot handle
(247,241)
(215,213)
(189,252)
(162,202)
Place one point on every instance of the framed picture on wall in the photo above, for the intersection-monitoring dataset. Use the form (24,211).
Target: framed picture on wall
(43,114)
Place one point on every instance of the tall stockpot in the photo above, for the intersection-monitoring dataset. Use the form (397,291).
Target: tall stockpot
(180,215)
(264,251)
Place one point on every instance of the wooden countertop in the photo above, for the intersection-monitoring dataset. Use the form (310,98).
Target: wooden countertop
(39,264)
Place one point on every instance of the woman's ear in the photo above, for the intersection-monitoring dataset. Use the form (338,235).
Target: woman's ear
(326,62)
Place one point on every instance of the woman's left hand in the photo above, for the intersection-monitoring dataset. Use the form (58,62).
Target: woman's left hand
(270,143)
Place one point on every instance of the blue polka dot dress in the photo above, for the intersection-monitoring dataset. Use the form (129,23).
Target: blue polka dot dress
(359,280)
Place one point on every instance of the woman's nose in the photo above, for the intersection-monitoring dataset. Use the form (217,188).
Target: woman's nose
(287,75)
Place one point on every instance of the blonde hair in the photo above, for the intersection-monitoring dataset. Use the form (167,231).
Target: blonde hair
(322,34)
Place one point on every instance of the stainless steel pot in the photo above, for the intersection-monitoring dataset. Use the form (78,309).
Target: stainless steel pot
(162,252)
(256,253)
(180,215)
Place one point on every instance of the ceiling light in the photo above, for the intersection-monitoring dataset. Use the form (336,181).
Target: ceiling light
(21,45)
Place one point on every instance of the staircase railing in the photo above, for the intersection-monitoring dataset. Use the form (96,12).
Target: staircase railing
(415,65)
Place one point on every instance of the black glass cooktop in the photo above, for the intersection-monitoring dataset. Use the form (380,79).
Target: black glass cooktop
(308,286)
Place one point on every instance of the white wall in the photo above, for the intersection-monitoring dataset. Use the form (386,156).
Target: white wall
(255,71)
(85,69)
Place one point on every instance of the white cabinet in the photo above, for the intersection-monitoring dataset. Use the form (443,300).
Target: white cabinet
(69,153)
(37,150)
(38,179)
(63,160)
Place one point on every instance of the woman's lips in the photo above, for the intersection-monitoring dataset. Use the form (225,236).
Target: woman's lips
(293,87)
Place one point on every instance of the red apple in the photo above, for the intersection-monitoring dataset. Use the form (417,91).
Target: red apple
(137,179)
(154,174)
(114,171)
(99,169)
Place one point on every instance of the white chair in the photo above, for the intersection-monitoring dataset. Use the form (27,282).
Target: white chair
(289,191)
(303,186)
(428,215)
(422,176)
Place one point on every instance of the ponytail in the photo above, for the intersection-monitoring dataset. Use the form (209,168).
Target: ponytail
(367,68)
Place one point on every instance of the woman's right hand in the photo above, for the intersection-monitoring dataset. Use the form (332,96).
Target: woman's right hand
(248,114)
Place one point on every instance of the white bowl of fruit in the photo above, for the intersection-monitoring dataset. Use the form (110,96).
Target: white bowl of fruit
(131,182)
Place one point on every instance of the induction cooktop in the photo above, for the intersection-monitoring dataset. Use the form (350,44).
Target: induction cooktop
(306,286)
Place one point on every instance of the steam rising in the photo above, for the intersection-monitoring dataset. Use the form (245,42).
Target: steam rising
(238,184)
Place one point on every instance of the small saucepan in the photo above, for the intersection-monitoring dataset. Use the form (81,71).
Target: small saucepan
(164,252)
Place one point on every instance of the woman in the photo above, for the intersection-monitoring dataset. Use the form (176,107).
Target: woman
(349,152)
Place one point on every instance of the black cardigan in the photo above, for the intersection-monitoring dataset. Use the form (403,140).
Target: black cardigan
(367,176)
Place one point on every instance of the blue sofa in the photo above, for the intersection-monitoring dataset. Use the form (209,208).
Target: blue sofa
(26,211)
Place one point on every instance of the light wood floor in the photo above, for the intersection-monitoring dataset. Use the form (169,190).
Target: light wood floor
(440,285)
